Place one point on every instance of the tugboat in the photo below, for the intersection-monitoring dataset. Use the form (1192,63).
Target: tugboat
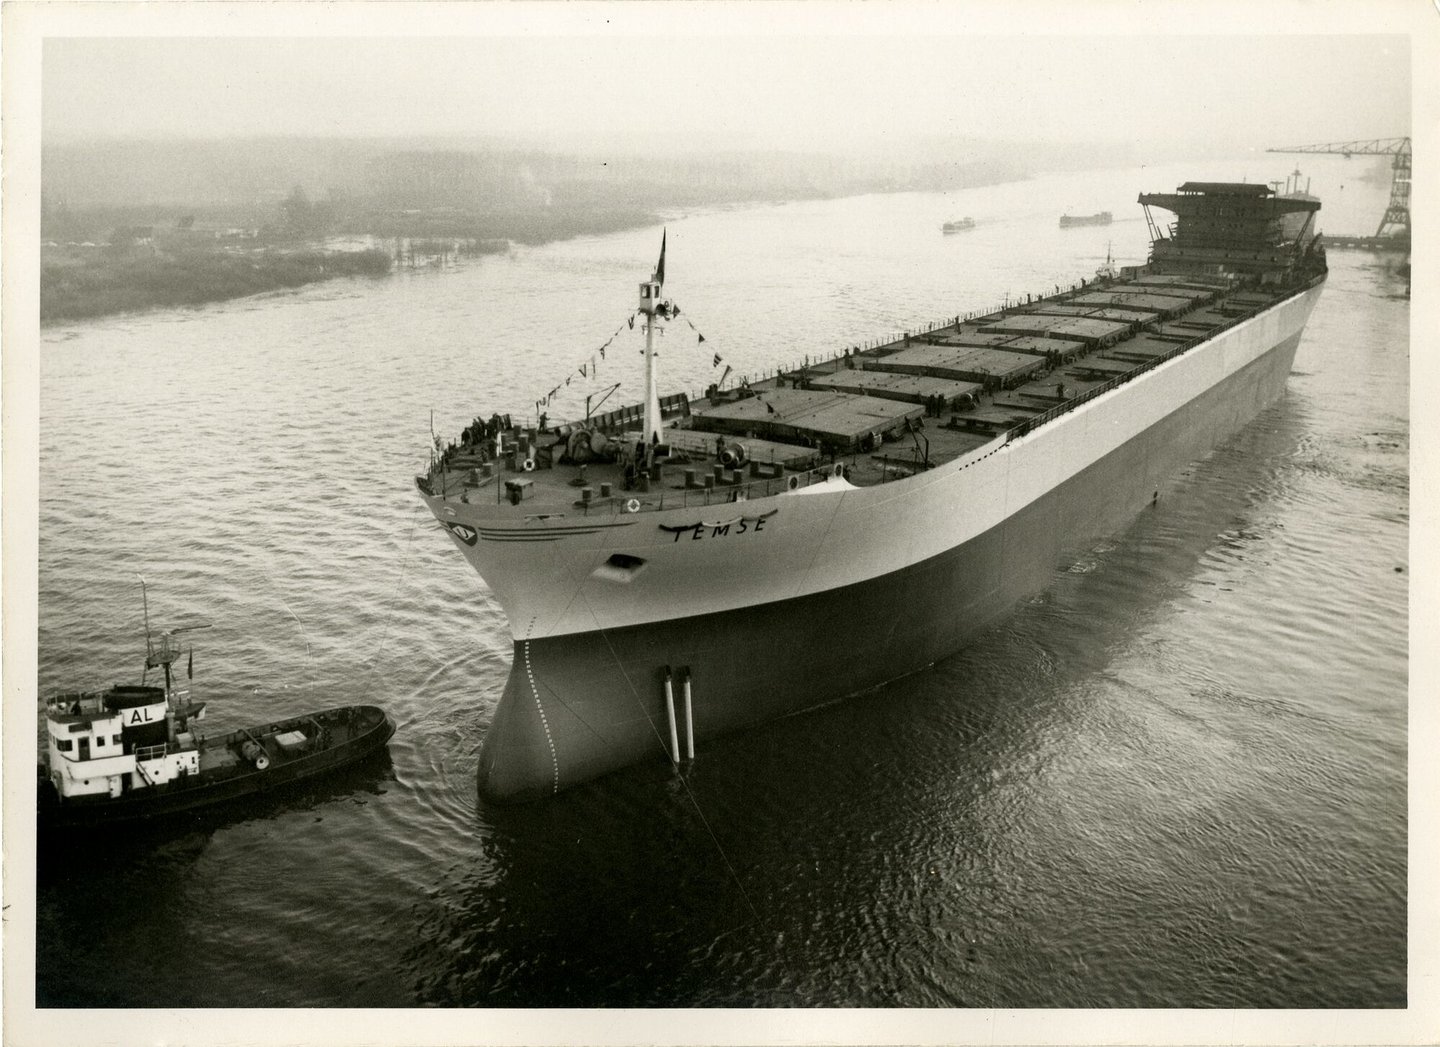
(960,225)
(135,752)
(1107,271)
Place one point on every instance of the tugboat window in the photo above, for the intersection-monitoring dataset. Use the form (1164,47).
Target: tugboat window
(65,745)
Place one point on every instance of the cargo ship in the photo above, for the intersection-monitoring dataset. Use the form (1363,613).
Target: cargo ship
(1068,221)
(139,753)
(685,567)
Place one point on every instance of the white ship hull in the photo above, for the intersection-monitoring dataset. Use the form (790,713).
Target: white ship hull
(777,604)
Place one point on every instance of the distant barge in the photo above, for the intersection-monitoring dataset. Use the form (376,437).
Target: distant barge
(1067,221)
(686,567)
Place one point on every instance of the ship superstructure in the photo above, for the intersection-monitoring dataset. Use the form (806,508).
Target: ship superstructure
(685,567)
(103,744)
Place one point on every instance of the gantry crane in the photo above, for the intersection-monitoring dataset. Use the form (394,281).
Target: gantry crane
(1396,222)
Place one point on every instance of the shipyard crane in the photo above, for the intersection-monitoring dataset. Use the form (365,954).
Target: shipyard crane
(1396,221)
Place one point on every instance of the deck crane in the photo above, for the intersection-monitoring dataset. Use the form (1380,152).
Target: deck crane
(1396,221)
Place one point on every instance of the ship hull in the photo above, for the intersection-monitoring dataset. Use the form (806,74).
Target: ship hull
(580,703)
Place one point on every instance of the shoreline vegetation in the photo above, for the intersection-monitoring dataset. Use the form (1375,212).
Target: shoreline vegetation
(80,283)
(139,268)
(115,239)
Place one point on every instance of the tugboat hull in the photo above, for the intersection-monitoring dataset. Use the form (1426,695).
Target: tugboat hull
(366,730)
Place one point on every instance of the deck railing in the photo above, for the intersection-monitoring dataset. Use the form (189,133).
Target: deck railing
(722,493)
(728,492)
(1031,424)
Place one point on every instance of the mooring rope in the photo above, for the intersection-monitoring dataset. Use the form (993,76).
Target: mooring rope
(304,633)
(387,636)
(689,793)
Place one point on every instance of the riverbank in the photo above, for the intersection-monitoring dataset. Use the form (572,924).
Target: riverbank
(130,225)
(85,280)
(534,226)
(152,268)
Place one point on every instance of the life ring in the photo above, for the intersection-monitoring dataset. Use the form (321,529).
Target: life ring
(839,469)
(528,465)
(632,506)
(793,484)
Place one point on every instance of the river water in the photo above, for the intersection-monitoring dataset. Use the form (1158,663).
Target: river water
(1176,779)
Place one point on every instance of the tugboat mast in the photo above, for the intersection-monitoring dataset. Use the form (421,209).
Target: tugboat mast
(162,651)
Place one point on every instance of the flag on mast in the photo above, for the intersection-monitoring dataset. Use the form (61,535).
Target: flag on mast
(660,268)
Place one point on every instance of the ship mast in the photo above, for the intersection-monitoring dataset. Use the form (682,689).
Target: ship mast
(650,293)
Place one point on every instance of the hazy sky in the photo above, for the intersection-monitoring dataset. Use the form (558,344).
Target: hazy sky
(805,86)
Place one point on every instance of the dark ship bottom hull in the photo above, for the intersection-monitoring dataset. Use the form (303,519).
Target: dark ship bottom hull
(578,706)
